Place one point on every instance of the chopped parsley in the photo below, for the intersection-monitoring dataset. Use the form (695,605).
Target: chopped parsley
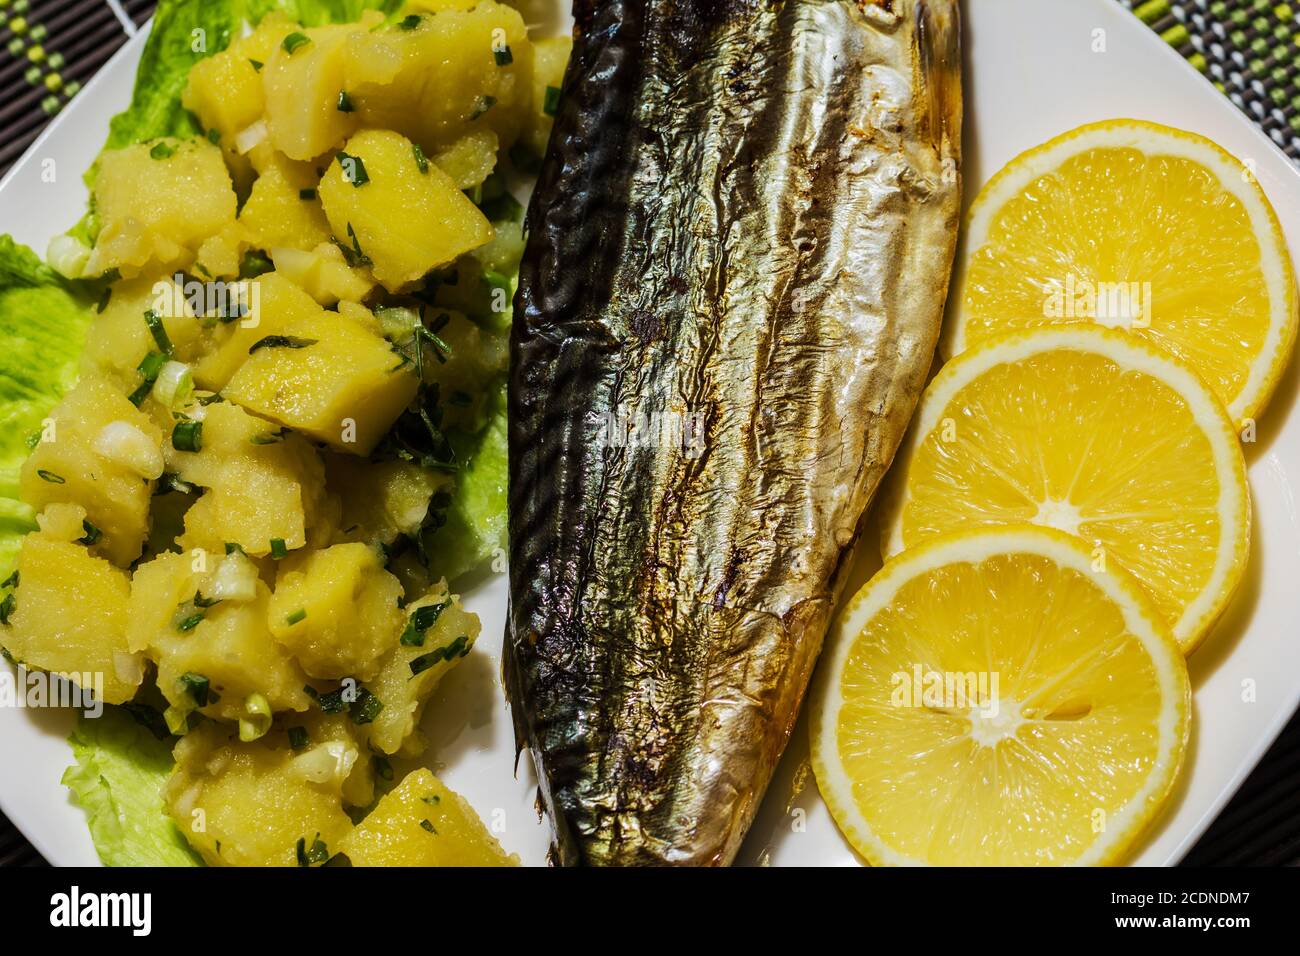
(409,22)
(197,686)
(354,170)
(318,852)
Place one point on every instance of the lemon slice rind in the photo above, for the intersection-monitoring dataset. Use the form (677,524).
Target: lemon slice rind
(1152,139)
(1128,352)
(1141,619)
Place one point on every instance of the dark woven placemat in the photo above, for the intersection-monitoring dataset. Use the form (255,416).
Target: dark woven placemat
(1249,49)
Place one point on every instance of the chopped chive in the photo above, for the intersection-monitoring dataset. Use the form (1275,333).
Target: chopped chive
(484,104)
(461,399)
(503,56)
(200,601)
(345,102)
(278,549)
(409,22)
(7,607)
(197,686)
(187,436)
(233,546)
(159,332)
(421,161)
(306,194)
(457,648)
(298,738)
(551,105)
(365,708)
(214,137)
(189,623)
(354,170)
(11,581)
(293,41)
(51,477)
(431,799)
(426,825)
(383,769)
(281,342)
(256,65)
(92,535)
(268,438)
(296,616)
(161,151)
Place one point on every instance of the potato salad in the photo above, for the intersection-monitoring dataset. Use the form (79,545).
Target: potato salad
(253,505)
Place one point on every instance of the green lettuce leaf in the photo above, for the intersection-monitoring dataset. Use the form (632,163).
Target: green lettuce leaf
(43,327)
(476,518)
(314,13)
(118,777)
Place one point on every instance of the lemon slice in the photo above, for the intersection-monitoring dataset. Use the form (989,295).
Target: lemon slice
(991,698)
(1092,432)
(1137,226)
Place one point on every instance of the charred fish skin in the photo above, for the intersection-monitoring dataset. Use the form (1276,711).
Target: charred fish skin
(744,224)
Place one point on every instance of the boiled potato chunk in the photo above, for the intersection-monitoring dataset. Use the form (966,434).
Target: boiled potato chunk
(303,81)
(470,159)
(99,451)
(119,337)
(384,499)
(257,803)
(225,92)
(328,378)
(70,618)
(336,610)
(283,210)
(207,631)
(410,672)
(404,220)
(441,75)
(157,202)
(261,486)
(422,823)
(274,302)
(550,59)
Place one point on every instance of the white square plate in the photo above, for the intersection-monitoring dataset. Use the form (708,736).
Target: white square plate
(1033,69)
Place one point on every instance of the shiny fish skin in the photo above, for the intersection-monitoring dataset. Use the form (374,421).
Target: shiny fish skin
(745,222)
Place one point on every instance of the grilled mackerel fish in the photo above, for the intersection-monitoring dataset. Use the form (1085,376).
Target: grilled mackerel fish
(738,255)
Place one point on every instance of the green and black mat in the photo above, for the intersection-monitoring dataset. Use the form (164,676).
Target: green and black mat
(1249,49)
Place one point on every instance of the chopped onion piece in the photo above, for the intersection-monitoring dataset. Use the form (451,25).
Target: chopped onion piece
(68,255)
(257,718)
(235,580)
(174,384)
(251,138)
(328,763)
(124,444)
